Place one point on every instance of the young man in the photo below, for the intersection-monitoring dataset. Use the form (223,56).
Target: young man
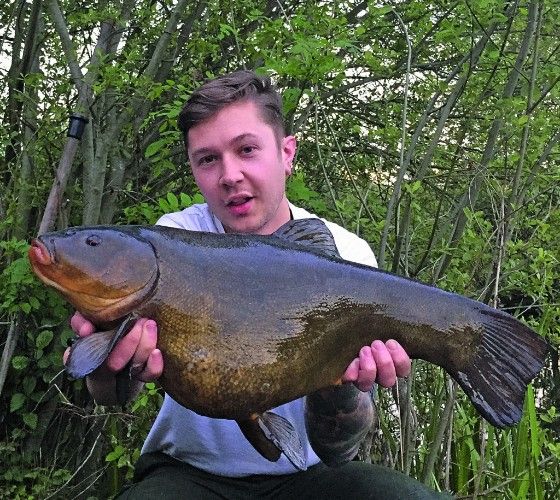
(240,158)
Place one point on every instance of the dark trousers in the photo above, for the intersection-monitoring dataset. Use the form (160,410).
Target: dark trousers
(161,476)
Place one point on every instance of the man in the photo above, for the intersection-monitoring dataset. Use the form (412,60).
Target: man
(240,158)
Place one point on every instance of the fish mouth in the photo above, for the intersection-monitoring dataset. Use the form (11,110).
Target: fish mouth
(44,264)
(39,253)
(42,260)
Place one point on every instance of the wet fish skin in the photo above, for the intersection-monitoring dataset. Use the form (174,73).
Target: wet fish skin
(247,323)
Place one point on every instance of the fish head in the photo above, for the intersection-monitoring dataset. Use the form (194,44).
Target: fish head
(104,272)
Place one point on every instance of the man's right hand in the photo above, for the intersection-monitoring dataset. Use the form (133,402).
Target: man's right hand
(137,346)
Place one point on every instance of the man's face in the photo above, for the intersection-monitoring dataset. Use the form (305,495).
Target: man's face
(241,168)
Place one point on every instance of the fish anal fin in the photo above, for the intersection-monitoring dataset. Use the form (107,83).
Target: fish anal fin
(271,434)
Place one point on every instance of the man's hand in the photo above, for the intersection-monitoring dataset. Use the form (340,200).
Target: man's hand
(138,346)
(338,417)
(381,363)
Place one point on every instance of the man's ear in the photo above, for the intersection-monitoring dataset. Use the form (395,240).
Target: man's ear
(289,146)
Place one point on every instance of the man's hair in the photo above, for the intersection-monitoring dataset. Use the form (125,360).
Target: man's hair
(238,86)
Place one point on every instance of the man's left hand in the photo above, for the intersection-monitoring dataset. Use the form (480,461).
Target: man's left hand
(381,362)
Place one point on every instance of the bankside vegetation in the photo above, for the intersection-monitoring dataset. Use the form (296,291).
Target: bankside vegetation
(431,129)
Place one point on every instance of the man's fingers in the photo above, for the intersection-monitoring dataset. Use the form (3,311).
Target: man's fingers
(65,355)
(362,370)
(400,358)
(153,368)
(80,325)
(146,345)
(138,347)
(126,347)
(368,370)
(351,373)
(386,372)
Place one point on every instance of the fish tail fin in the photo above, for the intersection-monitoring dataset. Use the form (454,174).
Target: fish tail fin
(89,353)
(509,357)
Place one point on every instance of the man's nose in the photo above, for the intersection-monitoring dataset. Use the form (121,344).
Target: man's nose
(232,171)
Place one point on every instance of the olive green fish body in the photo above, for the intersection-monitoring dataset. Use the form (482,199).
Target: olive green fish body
(266,325)
(246,323)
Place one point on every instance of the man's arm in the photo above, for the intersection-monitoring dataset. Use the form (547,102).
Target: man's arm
(338,418)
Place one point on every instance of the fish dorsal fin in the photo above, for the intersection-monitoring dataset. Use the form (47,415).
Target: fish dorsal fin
(312,233)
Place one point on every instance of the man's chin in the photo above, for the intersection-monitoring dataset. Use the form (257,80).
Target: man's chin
(240,225)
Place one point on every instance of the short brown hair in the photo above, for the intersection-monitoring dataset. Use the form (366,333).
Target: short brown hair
(215,94)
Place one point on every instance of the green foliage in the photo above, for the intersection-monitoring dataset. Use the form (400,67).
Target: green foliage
(22,479)
(146,213)
(20,288)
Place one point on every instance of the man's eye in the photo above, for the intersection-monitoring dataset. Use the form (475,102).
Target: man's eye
(206,160)
(247,150)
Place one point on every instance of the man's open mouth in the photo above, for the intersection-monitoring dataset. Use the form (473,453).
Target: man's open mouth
(238,201)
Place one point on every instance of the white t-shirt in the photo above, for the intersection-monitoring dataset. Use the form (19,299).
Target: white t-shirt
(217,445)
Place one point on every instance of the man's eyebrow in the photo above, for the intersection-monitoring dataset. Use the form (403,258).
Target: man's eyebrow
(201,151)
(238,138)
(247,135)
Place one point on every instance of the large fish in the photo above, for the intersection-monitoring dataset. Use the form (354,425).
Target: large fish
(247,323)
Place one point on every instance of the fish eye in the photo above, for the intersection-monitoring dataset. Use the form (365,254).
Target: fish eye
(93,240)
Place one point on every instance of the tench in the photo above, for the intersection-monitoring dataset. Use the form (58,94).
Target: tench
(247,323)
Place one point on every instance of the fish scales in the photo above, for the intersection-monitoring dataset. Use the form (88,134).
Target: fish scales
(267,310)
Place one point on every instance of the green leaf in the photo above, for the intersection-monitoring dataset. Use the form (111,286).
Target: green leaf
(43,361)
(383,10)
(66,335)
(173,201)
(29,384)
(115,454)
(30,420)
(20,362)
(25,307)
(17,401)
(34,302)
(154,148)
(197,198)
(173,113)
(186,200)
(297,189)
(44,339)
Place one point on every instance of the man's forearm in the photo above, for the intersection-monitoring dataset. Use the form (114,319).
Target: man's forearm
(337,420)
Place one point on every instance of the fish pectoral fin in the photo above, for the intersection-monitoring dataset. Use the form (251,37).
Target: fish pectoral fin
(89,353)
(270,434)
